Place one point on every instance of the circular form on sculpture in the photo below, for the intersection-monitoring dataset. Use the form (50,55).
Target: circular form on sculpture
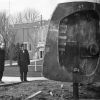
(94,49)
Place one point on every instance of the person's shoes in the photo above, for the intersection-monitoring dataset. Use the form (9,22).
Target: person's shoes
(22,80)
(25,80)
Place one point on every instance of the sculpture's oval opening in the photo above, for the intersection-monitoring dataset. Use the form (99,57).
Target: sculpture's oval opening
(76,33)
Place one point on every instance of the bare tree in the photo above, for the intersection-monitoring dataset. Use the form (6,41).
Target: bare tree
(16,19)
(4,25)
(11,42)
(6,29)
(19,18)
(30,15)
(8,33)
(27,16)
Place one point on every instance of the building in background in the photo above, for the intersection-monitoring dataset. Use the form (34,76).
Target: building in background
(39,54)
(32,35)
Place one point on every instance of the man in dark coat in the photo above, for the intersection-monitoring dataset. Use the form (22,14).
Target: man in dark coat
(23,62)
(2,60)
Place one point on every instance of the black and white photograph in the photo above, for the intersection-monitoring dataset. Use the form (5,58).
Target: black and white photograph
(49,49)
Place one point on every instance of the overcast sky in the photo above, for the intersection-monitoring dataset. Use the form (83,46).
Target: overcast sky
(45,7)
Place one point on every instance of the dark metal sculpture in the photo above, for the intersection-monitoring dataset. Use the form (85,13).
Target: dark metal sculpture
(73,43)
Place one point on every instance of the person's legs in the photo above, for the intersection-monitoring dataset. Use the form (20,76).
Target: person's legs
(1,74)
(25,76)
(21,76)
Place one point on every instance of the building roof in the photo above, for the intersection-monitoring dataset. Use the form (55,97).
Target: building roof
(31,25)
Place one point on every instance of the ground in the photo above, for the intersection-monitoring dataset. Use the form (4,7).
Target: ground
(14,69)
(51,90)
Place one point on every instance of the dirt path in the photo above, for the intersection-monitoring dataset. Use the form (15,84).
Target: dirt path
(51,90)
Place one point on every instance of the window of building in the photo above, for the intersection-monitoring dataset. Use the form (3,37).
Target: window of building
(41,54)
(27,46)
(30,48)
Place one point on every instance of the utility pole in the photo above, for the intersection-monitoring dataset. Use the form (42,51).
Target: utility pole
(23,34)
(9,7)
(9,31)
(41,20)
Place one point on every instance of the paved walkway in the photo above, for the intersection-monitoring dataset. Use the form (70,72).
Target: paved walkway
(17,79)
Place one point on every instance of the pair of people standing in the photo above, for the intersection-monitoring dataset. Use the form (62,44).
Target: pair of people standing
(23,62)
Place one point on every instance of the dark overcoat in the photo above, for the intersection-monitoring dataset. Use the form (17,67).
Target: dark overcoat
(23,60)
(2,59)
